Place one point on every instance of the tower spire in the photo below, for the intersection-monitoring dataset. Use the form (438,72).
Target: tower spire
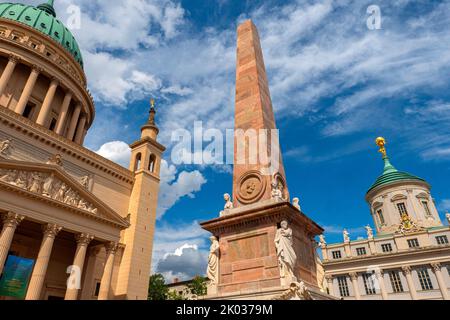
(48,7)
(150,129)
(381,143)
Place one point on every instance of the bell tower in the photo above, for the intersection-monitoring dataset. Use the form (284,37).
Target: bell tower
(145,162)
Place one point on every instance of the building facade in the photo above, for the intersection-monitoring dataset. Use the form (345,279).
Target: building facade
(408,257)
(75,225)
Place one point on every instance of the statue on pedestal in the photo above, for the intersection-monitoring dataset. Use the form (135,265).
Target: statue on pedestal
(213,263)
(322,242)
(346,236)
(296,204)
(285,252)
(447,215)
(369,232)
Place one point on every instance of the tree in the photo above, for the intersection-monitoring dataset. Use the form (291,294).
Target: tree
(157,288)
(173,295)
(198,286)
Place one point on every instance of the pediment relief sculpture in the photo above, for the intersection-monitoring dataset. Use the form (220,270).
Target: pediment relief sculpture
(47,185)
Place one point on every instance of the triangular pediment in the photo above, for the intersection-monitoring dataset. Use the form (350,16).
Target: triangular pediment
(50,183)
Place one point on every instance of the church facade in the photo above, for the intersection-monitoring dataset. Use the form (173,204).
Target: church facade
(408,255)
(74,224)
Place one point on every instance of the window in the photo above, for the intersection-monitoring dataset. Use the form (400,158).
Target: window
(424,278)
(152,162)
(53,124)
(336,255)
(29,110)
(442,240)
(380,216)
(413,243)
(369,283)
(396,283)
(386,247)
(343,286)
(137,163)
(427,208)
(361,251)
(402,208)
(97,289)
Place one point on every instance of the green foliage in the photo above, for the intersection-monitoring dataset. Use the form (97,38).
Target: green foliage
(198,286)
(157,288)
(173,295)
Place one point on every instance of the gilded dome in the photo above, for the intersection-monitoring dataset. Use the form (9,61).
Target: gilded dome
(43,18)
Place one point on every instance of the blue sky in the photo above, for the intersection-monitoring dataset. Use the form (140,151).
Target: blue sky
(335,85)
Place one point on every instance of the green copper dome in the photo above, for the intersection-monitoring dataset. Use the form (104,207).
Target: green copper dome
(391,175)
(43,19)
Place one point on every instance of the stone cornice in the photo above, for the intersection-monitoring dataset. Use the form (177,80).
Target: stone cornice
(372,259)
(373,193)
(258,215)
(145,140)
(63,145)
(107,214)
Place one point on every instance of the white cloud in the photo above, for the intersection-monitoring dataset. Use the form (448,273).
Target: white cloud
(175,186)
(174,244)
(117,151)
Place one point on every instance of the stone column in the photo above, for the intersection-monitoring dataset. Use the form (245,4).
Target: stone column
(47,104)
(62,118)
(380,278)
(105,285)
(412,289)
(27,90)
(83,241)
(10,222)
(41,265)
(354,277)
(7,73)
(80,129)
(73,122)
(442,285)
(329,279)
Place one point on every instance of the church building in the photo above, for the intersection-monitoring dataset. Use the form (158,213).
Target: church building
(74,224)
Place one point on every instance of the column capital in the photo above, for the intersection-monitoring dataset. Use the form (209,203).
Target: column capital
(51,230)
(436,266)
(55,81)
(36,69)
(14,58)
(406,270)
(83,239)
(111,247)
(328,277)
(12,219)
(353,275)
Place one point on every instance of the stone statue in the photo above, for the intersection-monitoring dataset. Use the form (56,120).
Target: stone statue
(447,215)
(296,204)
(35,182)
(228,202)
(277,190)
(47,189)
(10,176)
(322,242)
(56,159)
(85,181)
(213,261)
(346,236)
(22,180)
(5,148)
(82,204)
(60,194)
(285,251)
(369,232)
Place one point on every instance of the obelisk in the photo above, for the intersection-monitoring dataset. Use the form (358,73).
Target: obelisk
(265,243)
(252,177)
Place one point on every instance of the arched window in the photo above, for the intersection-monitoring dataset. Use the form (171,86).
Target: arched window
(137,162)
(152,162)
